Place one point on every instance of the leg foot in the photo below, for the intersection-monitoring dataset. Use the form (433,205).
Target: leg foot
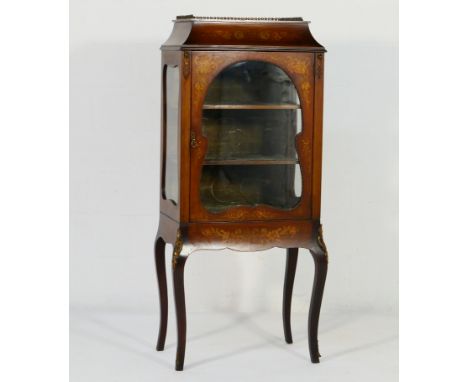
(291,262)
(314,352)
(159,256)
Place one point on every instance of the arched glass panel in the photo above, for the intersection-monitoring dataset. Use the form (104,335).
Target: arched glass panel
(251,116)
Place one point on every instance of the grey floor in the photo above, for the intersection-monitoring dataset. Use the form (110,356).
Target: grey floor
(119,345)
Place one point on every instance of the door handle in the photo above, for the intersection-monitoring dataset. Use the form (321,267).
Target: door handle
(193,140)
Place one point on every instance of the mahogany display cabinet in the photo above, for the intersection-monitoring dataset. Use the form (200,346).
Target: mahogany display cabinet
(241,153)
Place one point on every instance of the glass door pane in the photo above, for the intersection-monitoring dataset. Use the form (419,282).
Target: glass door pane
(251,117)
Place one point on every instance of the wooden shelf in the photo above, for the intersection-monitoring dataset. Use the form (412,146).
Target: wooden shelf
(284,106)
(249,162)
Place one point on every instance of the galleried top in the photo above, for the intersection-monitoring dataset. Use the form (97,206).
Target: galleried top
(234,33)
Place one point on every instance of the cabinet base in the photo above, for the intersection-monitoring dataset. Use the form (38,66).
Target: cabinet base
(245,236)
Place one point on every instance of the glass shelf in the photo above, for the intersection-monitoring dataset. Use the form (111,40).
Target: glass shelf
(253,161)
(285,106)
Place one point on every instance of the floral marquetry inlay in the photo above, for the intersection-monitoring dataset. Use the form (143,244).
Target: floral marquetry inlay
(260,235)
(228,35)
(306,147)
(239,35)
(301,66)
(242,213)
(186,64)
(204,67)
(296,65)
(206,64)
(307,90)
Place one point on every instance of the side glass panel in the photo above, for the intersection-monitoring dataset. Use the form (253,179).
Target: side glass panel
(171,129)
(251,117)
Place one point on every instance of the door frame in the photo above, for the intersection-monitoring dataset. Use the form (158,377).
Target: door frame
(299,66)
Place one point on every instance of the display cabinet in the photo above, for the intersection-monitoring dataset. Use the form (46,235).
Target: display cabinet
(241,151)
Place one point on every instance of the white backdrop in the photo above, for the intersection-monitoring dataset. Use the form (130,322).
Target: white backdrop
(114,160)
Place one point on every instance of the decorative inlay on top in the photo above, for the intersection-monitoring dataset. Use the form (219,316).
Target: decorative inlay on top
(223,33)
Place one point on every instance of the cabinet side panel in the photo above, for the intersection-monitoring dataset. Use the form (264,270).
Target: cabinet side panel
(317,135)
(185,126)
(169,207)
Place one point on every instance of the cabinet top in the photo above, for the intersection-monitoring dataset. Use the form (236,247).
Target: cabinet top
(241,33)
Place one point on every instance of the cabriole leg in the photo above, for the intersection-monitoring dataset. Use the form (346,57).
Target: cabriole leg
(159,257)
(320,256)
(290,272)
(178,265)
(179,298)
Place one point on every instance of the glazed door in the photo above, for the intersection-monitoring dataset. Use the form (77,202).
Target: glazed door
(251,136)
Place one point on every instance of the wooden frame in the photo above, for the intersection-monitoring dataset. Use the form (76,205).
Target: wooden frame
(201,48)
(205,67)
